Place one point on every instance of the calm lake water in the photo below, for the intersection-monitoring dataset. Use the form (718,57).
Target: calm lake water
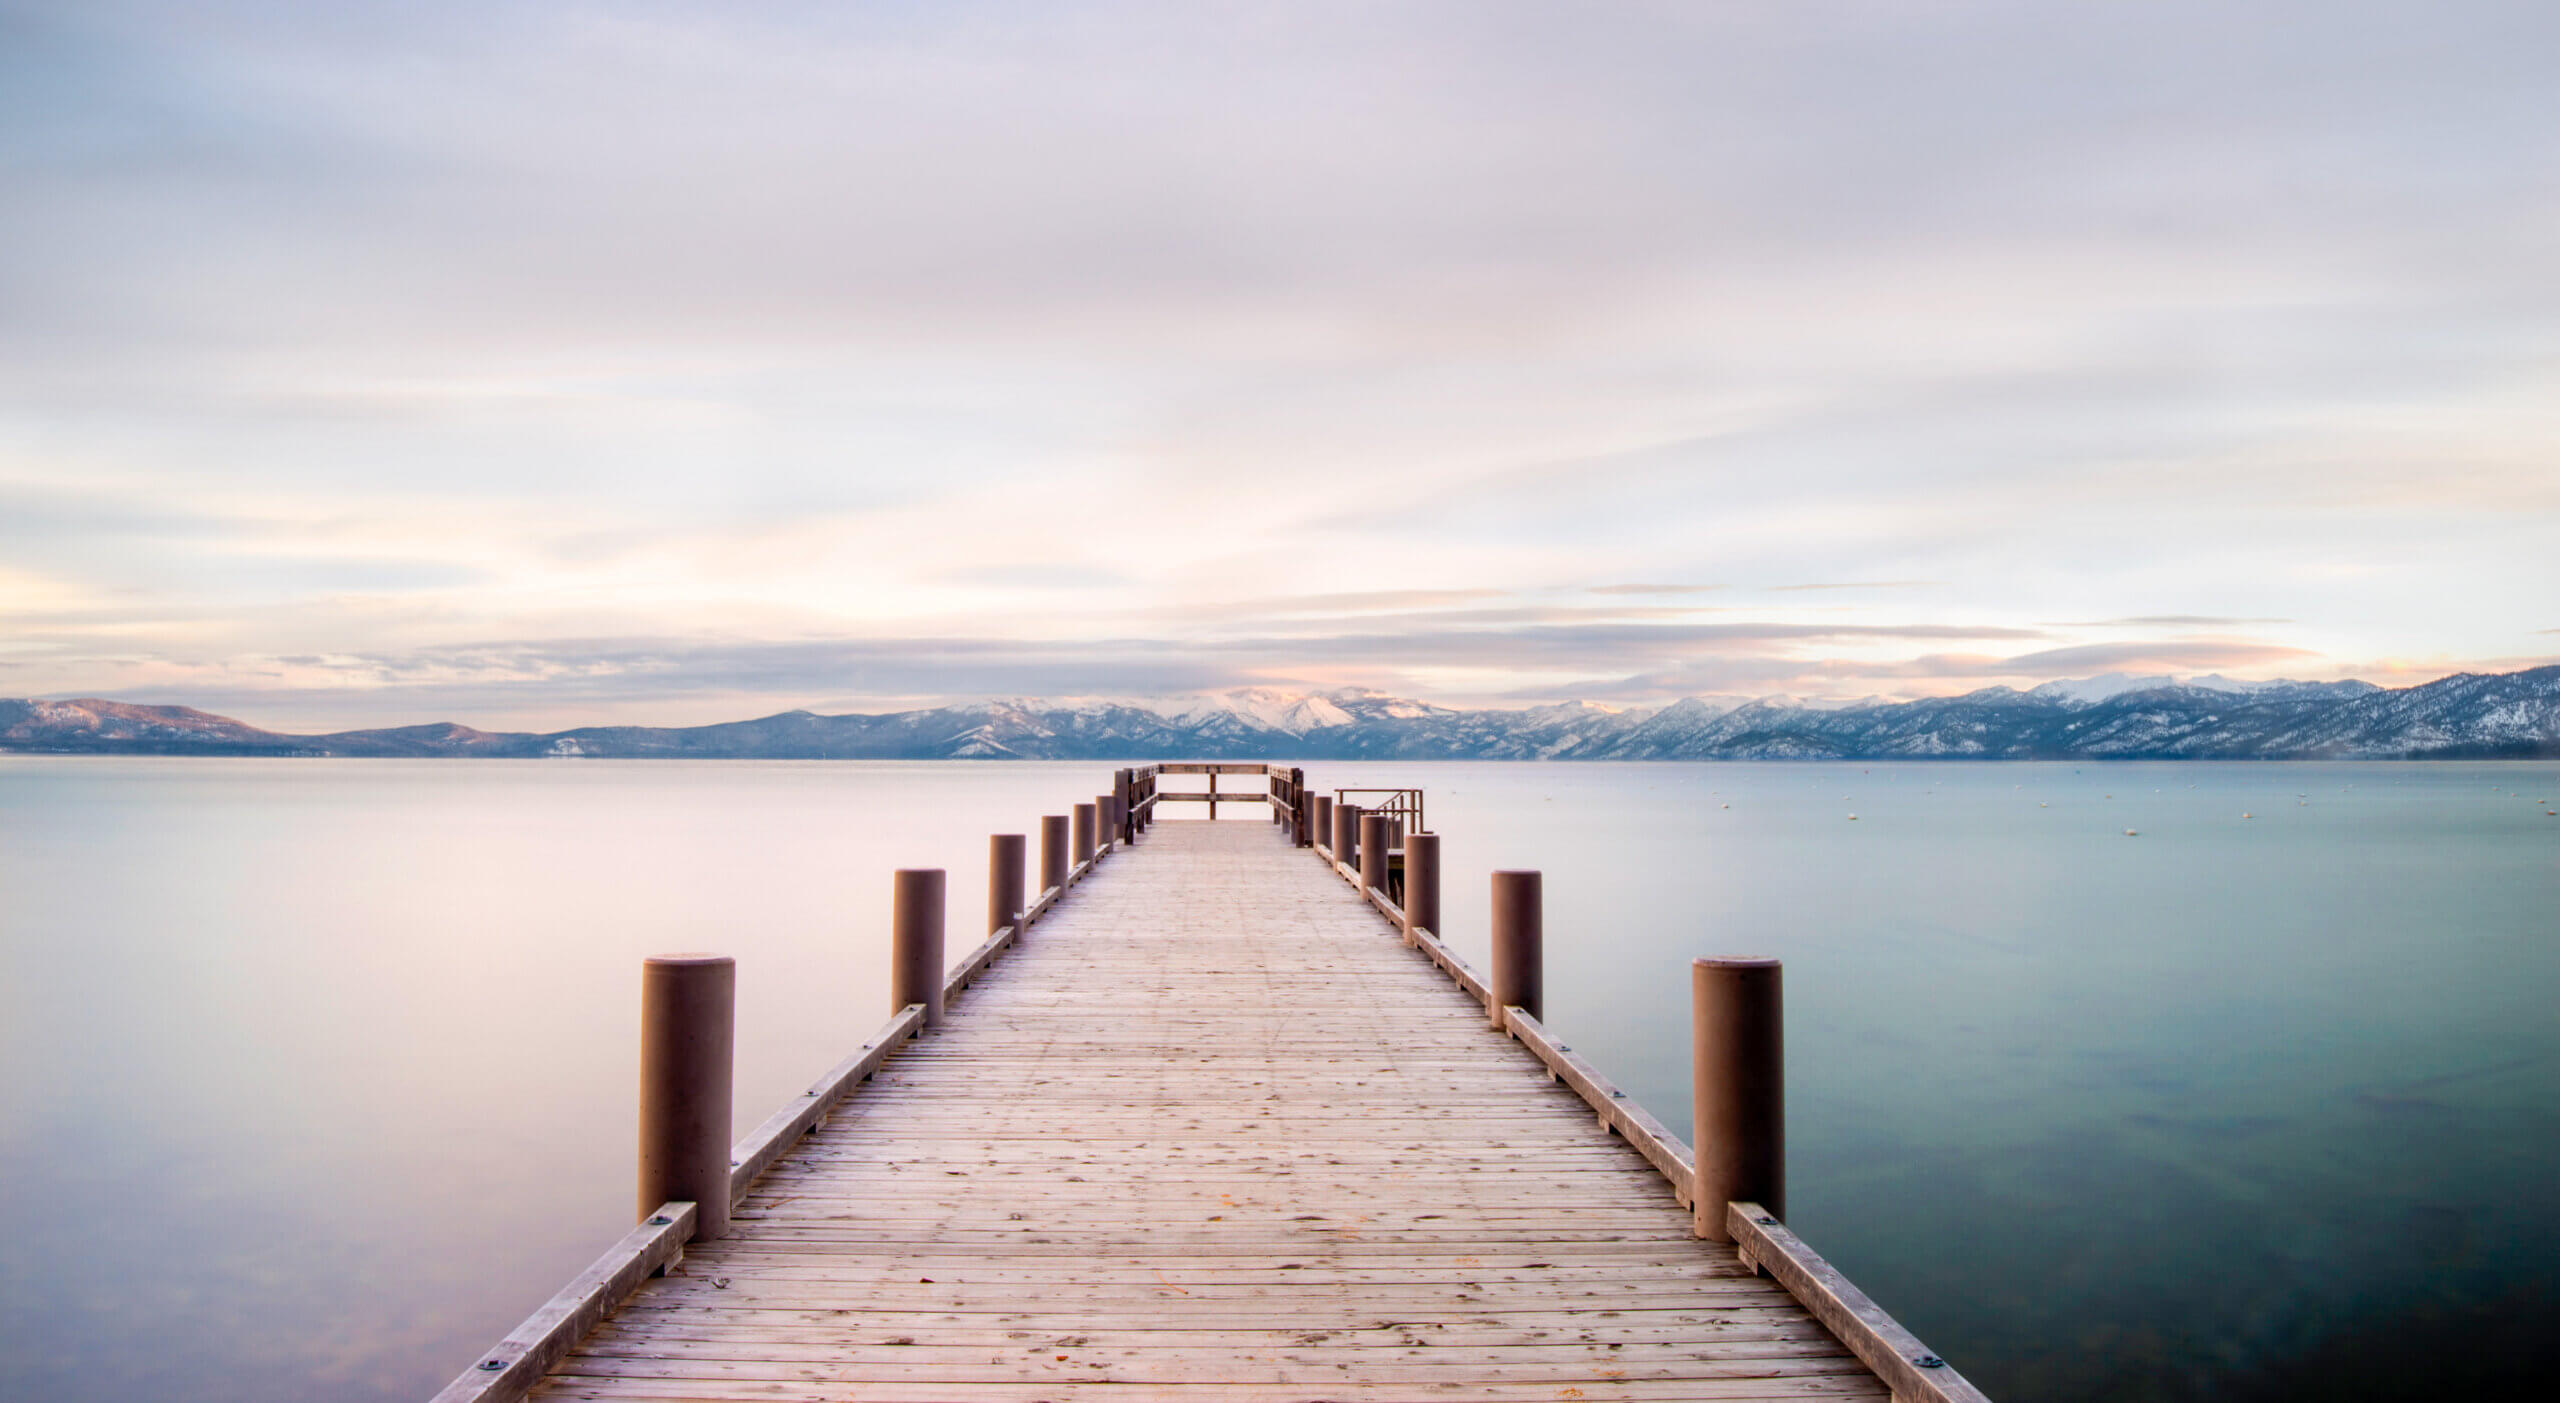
(315,1077)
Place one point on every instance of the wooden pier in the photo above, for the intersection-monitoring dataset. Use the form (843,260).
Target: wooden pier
(1213,1116)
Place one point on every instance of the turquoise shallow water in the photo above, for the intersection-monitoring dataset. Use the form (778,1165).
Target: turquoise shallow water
(316,1075)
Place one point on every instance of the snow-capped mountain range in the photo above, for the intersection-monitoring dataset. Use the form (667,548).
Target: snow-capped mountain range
(2503,715)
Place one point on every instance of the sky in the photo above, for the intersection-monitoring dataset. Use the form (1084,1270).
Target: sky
(539,365)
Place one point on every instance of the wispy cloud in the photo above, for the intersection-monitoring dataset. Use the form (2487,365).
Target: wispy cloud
(1150,346)
(2136,657)
(2171,621)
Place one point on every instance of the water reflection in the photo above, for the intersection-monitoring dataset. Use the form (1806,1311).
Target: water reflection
(321,1073)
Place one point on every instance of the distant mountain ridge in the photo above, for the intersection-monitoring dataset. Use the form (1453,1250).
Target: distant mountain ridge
(2500,715)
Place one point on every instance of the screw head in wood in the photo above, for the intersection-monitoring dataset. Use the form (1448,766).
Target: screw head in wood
(1929,1361)
(492,1365)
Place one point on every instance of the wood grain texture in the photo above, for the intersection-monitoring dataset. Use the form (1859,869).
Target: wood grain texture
(520,1360)
(1211,1130)
(1917,1376)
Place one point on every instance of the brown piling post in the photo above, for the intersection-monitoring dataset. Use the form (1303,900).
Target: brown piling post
(1320,816)
(1298,834)
(1124,786)
(1004,880)
(1737,1089)
(1374,852)
(1084,834)
(1346,835)
(1105,823)
(1053,851)
(915,940)
(1213,795)
(1421,884)
(1519,940)
(688,1036)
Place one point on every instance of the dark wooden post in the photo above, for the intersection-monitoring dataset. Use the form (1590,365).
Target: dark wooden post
(1053,851)
(1213,793)
(1004,880)
(1320,816)
(1373,852)
(688,1038)
(1124,799)
(1084,834)
(915,940)
(1298,833)
(1105,823)
(1519,939)
(1346,834)
(1421,884)
(1737,1089)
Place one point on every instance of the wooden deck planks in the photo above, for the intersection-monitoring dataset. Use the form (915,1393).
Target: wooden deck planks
(1211,1130)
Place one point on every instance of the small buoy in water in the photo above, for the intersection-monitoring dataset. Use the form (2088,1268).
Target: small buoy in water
(2129,833)
(1728,806)
(1853,818)
(2042,805)
(2248,815)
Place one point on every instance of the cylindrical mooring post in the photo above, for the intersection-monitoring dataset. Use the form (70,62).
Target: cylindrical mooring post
(1346,834)
(1374,851)
(1106,822)
(1320,819)
(688,1033)
(915,940)
(1004,880)
(1519,940)
(1737,1089)
(1053,851)
(1298,833)
(1421,883)
(1123,830)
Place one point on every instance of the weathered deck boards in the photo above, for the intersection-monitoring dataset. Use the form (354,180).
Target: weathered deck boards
(1211,1130)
